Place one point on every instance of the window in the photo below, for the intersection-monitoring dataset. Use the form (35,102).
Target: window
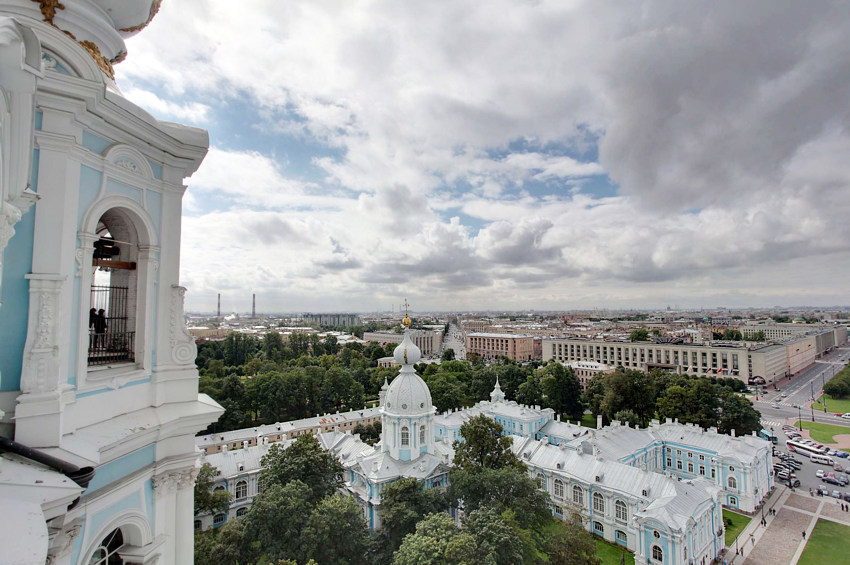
(669,462)
(731,469)
(421,435)
(218,519)
(712,473)
(702,457)
(690,467)
(218,488)
(656,535)
(597,527)
(241,489)
(620,536)
(679,465)
(657,554)
(678,452)
(733,501)
(559,488)
(622,513)
(107,552)
(242,511)
(541,481)
(405,436)
(732,482)
(702,470)
(578,495)
(197,525)
(598,502)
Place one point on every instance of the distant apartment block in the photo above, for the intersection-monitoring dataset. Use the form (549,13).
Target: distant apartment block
(429,342)
(344,320)
(475,325)
(586,370)
(827,336)
(729,359)
(491,345)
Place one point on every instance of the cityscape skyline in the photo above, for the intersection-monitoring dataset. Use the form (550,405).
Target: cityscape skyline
(526,155)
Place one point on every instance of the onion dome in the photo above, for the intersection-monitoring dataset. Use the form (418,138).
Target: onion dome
(407,395)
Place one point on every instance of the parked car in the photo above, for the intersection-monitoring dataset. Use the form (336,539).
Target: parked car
(846,415)
(795,483)
(823,491)
(774,405)
(788,428)
(783,395)
(819,473)
(838,468)
(847,496)
(843,454)
(836,494)
(832,453)
(831,480)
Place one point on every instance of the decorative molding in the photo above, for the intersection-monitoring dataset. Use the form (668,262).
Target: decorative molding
(9,216)
(62,540)
(183,348)
(128,165)
(102,62)
(169,483)
(40,371)
(48,9)
(153,11)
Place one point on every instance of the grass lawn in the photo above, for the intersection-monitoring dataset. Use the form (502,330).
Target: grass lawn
(610,553)
(823,433)
(739,522)
(827,544)
(837,405)
(588,421)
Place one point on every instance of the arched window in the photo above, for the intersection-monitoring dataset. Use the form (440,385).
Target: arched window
(541,481)
(559,488)
(197,525)
(405,436)
(421,435)
(218,488)
(241,489)
(107,552)
(598,528)
(218,519)
(732,482)
(620,537)
(578,495)
(657,554)
(622,513)
(598,503)
(241,512)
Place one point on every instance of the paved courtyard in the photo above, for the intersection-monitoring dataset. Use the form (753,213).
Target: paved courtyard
(781,542)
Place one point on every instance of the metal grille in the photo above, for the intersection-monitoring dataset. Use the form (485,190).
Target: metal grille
(109,338)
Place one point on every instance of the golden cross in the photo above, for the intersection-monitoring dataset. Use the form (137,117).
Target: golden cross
(406,306)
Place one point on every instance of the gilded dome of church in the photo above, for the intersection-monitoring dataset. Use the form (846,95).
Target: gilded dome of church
(408,394)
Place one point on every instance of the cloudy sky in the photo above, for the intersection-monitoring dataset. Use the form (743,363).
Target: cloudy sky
(507,154)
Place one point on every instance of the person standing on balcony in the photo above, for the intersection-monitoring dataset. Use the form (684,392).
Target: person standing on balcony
(100,327)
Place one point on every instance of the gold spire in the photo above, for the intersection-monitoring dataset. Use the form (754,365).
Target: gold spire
(406,321)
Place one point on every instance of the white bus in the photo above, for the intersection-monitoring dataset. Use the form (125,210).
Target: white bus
(805,449)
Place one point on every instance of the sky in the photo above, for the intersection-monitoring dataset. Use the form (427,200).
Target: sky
(507,154)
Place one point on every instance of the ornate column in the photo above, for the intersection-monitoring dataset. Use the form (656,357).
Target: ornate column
(62,541)
(165,509)
(45,390)
(184,533)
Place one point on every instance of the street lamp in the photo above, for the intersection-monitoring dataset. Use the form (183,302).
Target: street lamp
(800,417)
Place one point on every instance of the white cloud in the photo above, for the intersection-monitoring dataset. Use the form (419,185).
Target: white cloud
(725,127)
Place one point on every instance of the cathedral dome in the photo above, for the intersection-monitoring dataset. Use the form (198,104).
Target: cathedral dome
(408,394)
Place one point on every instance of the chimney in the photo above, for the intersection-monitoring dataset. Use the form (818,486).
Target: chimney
(732,433)
(219,305)
(254,306)
(599,422)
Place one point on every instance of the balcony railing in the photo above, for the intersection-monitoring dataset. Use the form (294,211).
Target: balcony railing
(111,347)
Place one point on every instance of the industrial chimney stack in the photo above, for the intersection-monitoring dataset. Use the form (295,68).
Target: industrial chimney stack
(254,307)
(219,306)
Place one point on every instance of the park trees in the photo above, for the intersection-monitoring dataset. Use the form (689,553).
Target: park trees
(208,501)
(403,504)
(304,460)
(562,390)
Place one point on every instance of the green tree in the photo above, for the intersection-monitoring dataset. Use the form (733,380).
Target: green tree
(837,388)
(627,389)
(437,541)
(484,446)
(448,355)
(594,394)
(337,531)
(737,413)
(331,345)
(305,461)
(446,391)
(403,504)
(562,390)
(639,335)
(277,519)
(627,416)
(208,501)
(571,544)
(529,392)
(508,488)
(499,539)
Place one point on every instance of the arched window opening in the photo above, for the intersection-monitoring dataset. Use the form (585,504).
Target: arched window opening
(107,552)
(218,519)
(541,481)
(241,489)
(578,495)
(405,436)
(598,503)
(559,488)
(732,482)
(241,512)
(421,435)
(218,488)
(622,512)
(657,554)
(197,525)
(114,287)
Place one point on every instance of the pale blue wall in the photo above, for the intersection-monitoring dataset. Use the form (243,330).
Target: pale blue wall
(115,187)
(17,262)
(94,142)
(121,467)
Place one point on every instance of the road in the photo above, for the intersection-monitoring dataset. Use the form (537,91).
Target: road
(798,391)
(454,340)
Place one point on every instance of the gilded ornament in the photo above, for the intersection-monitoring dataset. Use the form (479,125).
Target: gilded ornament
(154,9)
(101,61)
(48,9)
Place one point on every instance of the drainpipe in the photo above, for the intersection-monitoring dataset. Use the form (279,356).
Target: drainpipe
(81,476)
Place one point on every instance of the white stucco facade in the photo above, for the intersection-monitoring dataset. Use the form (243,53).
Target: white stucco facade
(83,168)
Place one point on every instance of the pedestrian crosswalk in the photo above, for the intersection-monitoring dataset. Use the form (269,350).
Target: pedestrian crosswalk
(771,424)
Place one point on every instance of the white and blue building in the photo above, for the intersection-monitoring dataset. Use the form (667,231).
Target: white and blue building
(91,191)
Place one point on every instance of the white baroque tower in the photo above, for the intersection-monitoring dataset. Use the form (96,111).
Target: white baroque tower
(91,190)
(407,414)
